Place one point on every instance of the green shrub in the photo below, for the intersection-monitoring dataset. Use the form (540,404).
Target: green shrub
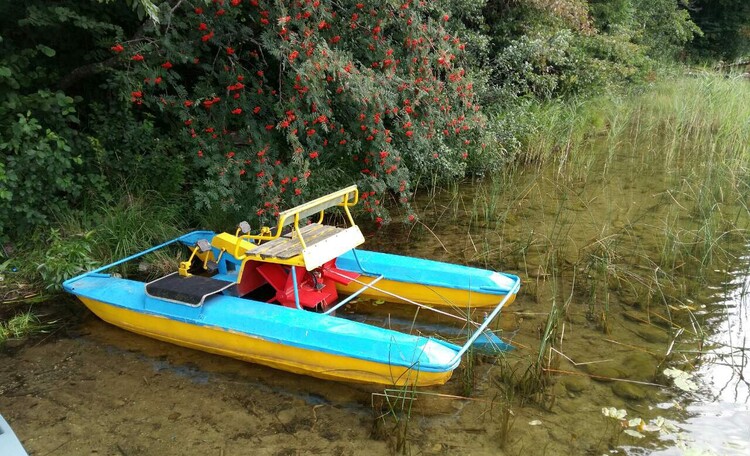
(65,257)
(44,158)
(559,63)
(134,155)
(40,172)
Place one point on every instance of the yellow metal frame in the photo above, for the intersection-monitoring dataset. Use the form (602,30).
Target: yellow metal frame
(205,257)
(346,198)
(294,215)
(235,245)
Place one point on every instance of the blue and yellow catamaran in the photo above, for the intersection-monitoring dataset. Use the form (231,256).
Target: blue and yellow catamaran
(271,298)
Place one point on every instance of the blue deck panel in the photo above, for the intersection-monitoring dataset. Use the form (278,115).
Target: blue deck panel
(9,443)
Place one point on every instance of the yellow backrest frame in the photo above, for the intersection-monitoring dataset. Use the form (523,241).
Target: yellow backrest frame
(346,198)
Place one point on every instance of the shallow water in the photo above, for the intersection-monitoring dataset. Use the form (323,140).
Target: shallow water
(610,243)
(618,242)
(719,415)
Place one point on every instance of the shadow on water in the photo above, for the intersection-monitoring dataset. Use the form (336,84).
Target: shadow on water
(202,369)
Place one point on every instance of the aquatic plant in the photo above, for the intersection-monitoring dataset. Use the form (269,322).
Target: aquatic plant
(468,374)
(20,326)
(507,418)
(636,427)
(681,379)
(396,404)
(630,216)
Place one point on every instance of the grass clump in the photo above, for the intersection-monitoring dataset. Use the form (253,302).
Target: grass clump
(110,233)
(396,404)
(20,326)
(129,226)
(79,244)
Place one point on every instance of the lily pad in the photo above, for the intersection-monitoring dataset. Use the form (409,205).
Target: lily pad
(681,379)
(633,433)
(614,413)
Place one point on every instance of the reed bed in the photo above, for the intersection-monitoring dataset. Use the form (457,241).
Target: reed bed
(693,131)
(623,207)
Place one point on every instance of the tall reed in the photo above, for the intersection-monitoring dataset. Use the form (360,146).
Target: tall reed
(692,134)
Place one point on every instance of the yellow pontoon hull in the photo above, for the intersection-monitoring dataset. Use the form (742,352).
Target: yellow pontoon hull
(434,296)
(257,350)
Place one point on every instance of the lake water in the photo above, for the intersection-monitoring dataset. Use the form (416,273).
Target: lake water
(719,415)
(619,241)
(643,264)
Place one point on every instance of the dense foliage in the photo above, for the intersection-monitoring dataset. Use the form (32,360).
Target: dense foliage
(64,137)
(726,28)
(243,107)
(279,97)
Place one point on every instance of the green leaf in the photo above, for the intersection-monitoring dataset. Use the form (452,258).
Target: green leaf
(5,72)
(46,50)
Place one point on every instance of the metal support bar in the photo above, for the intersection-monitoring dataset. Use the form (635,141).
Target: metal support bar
(294,285)
(352,296)
(480,327)
(409,301)
(487,321)
(132,257)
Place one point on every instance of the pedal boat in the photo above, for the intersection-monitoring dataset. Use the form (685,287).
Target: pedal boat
(9,443)
(270,298)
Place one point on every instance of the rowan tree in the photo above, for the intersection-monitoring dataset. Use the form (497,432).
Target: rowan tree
(283,101)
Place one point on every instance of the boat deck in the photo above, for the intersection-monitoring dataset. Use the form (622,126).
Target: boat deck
(289,245)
